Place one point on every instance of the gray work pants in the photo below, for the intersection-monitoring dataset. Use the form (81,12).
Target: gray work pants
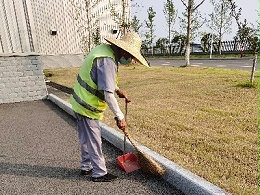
(91,146)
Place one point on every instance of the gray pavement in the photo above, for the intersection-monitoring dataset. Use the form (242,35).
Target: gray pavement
(226,63)
(39,154)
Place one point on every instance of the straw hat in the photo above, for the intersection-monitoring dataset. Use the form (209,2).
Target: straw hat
(131,43)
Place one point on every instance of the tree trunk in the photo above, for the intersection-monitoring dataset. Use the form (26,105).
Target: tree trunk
(220,30)
(253,68)
(169,34)
(88,26)
(187,54)
(123,17)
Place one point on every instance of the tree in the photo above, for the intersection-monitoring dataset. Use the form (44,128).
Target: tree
(180,41)
(247,35)
(257,23)
(221,19)
(206,41)
(244,33)
(83,13)
(150,25)
(235,13)
(190,8)
(162,43)
(96,36)
(197,22)
(121,17)
(170,16)
(135,24)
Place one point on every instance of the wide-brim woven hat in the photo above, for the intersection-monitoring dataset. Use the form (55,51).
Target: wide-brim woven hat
(131,43)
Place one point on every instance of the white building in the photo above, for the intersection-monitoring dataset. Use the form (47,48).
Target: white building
(52,27)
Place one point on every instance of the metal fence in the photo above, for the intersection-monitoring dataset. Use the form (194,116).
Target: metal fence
(226,47)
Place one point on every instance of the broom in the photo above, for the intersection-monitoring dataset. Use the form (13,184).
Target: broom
(146,162)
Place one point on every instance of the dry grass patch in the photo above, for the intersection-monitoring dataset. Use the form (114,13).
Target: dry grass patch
(200,118)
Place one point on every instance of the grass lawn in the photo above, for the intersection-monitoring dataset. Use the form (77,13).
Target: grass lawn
(204,119)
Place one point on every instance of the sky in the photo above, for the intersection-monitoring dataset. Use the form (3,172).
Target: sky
(249,12)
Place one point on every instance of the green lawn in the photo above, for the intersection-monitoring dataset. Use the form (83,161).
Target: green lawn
(204,119)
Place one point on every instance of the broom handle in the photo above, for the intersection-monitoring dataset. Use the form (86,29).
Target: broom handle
(159,170)
(130,139)
(126,134)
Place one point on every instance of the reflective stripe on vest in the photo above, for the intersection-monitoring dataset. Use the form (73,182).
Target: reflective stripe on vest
(90,89)
(84,104)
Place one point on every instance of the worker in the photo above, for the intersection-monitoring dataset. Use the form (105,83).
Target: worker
(94,91)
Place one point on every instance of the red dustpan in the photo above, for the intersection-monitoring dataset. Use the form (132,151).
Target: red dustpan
(128,162)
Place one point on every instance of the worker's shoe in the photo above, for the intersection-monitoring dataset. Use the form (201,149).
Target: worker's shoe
(105,178)
(84,172)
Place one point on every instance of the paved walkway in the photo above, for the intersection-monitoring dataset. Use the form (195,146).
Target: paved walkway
(39,154)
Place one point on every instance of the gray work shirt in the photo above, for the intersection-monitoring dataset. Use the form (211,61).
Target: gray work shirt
(103,73)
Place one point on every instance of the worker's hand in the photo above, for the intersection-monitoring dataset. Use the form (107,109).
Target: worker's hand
(121,124)
(122,94)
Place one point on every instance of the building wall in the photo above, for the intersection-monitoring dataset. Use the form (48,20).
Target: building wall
(53,15)
(16,27)
(27,25)
(61,61)
(21,78)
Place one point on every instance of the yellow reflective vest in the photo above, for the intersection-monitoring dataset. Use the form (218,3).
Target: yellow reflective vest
(86,99)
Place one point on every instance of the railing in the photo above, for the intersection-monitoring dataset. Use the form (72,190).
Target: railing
(226,47)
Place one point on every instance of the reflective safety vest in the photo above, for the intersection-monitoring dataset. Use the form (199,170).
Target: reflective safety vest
(86,99)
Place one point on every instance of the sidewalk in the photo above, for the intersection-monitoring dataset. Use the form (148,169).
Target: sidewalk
(39,154)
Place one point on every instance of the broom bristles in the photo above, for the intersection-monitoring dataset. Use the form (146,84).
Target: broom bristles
(149,165)
(146,162)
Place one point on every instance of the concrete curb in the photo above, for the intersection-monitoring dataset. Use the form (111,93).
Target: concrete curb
(182,179)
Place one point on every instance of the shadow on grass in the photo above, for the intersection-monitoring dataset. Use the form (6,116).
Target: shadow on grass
(247,85)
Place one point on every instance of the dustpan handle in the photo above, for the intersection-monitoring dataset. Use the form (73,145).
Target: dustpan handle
(126,102)
(126,122)
(125,134)
(124,145)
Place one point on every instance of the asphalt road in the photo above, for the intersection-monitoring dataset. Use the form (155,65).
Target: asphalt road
(235,63)
(39,154)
